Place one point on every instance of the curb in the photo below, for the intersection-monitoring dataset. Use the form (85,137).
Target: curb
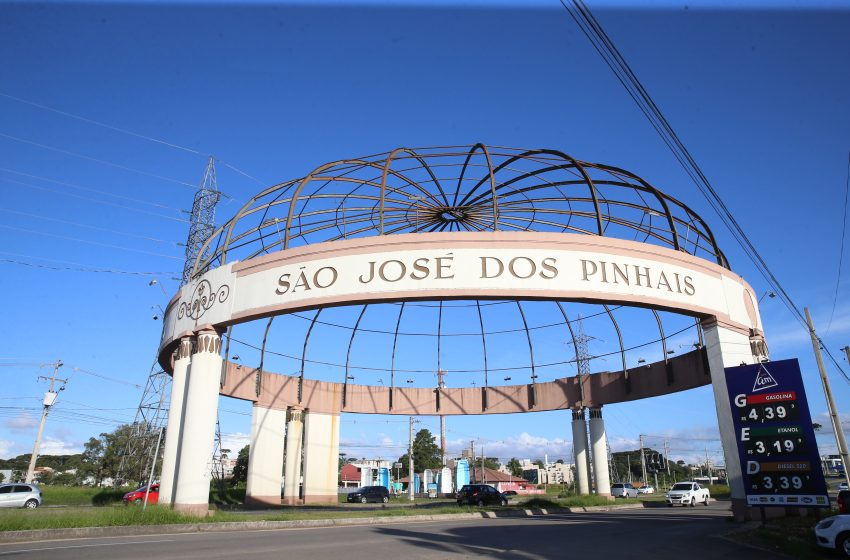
(226,526)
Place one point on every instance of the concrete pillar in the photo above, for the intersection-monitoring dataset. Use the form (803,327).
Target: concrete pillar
(599,443)
(292,465)
(321,458)
(580,450)
(173,431)
(728,347)
(265,457)
(198,438)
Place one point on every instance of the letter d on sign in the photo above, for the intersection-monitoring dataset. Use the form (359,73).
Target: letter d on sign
(752,467)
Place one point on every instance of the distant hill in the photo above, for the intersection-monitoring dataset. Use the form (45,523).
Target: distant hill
(58,463)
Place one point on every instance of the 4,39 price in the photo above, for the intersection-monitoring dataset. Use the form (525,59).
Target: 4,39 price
(769,412)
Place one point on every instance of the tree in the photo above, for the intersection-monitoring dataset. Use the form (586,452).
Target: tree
(240,469)
(539,464)
(92,463)
(817,427)
(489,462)
(515,467)
(426,453)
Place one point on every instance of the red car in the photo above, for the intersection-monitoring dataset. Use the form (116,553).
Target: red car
(137,496)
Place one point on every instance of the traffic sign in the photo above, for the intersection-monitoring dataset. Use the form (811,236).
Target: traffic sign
(776,440)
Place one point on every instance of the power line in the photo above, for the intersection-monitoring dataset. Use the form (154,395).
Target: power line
(841,251)
(94,159)
(78,240)
(78,224)
(77,267)
(127,132)
(89,189)
(617,63)
(95,200)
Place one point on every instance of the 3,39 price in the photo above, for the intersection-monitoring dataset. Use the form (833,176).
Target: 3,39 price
(778,482)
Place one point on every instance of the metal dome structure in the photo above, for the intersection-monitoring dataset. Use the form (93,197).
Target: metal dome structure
(460,189)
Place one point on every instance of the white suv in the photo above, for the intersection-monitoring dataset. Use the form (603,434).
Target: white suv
(687,494)
(834,532)
(623,490)
(20,495)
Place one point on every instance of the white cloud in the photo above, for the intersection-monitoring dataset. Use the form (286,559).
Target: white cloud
(54,446)
(23,422)
(235,442)
(6,448)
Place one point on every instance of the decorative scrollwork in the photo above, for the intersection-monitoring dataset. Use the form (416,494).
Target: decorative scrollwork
(202,299)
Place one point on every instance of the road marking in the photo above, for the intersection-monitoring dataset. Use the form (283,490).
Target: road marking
(7,553)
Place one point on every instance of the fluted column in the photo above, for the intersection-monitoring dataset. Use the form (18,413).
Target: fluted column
(198,438)
(321,458)
(182,358)
(580,450)
(292,464)
(728,347)
(265,456)
(599,444)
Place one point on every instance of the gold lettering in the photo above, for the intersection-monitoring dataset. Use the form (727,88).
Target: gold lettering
(689,287)
(530,263)
(283,282)
(584,270)
(622,273)
(334,276)
(548,265)
(678,283)
(645,274)
(484,267)
(301,282)
(424,270)
(441,266)
(401,273)
(662,280)
(371,273)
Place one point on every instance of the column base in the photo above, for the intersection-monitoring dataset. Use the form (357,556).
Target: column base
(291,501)
(321,499)
(198,510)
(262,501)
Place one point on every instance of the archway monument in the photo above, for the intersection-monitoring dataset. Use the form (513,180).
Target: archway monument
(493,234)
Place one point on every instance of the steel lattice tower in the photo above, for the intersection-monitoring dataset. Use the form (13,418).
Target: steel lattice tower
(152,414)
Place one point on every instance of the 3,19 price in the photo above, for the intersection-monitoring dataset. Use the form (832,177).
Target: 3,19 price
(775,446)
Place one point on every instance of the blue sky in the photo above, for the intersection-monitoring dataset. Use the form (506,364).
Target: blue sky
(758,94)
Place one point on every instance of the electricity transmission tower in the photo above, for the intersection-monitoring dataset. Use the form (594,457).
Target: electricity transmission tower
(152,414)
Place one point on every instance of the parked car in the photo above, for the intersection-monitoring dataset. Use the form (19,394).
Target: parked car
(378,494)
(687,494)
(20,495)
(624,490)
(834,532)
(480,495)
(510,492)
(843,486)
(646,490)
(137,496)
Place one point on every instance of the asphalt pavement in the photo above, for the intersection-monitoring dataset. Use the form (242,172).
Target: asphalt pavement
(652,533)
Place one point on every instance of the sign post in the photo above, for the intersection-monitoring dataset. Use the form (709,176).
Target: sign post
(775,437)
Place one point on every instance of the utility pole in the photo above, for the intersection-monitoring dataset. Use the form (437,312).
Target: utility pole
(441,384)
(49,399)
(410,463)
(707,465)
(830,402)
(472,470)
(642,461)
(667,455)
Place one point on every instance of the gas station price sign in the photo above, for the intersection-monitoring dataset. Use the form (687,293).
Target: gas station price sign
(776,441)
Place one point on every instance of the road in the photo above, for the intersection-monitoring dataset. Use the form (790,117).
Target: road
(655,533)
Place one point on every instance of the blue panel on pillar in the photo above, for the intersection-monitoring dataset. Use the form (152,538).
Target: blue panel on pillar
(384,477)
(776,441)
(462,473)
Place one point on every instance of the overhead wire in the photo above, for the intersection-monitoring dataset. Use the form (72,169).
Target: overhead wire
(841,250)
(77,267)
(617,63)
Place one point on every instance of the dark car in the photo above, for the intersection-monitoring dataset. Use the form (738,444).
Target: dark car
(370,494)
(480,495)
(137,496)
